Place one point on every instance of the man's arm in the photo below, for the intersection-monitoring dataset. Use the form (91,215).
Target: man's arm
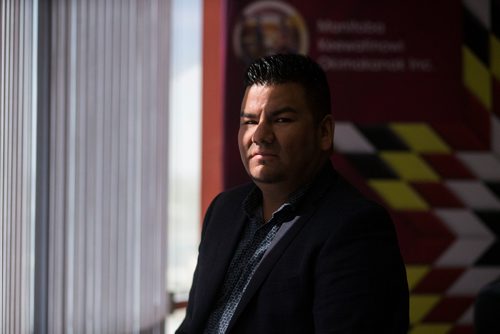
(360,280)
(187,323)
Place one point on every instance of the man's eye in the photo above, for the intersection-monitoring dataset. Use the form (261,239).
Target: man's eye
(282,120)
(248,122)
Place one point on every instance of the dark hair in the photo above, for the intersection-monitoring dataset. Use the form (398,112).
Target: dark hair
(285,68)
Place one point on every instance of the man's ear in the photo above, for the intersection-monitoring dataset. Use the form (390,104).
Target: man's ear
(326,131)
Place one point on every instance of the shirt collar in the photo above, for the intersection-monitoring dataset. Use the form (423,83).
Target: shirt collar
(253,201)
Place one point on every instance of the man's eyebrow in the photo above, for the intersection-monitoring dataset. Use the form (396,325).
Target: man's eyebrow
(283,110)
(272,114)
(247,115)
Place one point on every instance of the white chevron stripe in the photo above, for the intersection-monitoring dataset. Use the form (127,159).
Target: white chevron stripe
(464,223)
(464,252)
(473,280)
(485,165)
(474,194)
(481,10)
(348,139)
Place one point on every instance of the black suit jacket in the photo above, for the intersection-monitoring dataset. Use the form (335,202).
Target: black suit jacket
(337,270)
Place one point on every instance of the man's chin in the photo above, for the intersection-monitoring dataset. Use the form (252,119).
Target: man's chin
(266,179)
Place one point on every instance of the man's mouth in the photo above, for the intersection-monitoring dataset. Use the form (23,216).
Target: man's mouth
(263,154)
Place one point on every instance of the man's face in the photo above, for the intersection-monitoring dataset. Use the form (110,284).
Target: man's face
(279,140)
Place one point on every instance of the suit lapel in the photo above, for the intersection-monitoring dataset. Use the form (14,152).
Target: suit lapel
(225,248)
(266,266)
(221,245)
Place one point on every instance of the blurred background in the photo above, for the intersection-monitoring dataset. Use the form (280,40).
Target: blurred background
(118,126)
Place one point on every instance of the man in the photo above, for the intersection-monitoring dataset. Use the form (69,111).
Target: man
(298,250)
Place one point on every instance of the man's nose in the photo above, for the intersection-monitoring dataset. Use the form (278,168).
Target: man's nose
(263,134)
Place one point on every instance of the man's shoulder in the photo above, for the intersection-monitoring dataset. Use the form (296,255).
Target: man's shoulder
(228,204)
(235,195)
(343,200)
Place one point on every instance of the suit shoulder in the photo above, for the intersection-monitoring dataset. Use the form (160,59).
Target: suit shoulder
(344,195)
(345,205)
(233,196)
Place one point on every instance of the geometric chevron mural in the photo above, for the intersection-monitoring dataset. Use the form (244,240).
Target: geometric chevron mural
(444,198)
(441,184)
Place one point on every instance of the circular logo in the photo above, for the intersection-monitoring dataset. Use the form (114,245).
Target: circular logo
(269,27)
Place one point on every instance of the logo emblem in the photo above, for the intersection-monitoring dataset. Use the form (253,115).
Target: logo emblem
(269,27)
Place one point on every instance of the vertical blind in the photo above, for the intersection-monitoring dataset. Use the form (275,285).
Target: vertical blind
(17,163)
(99,160)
